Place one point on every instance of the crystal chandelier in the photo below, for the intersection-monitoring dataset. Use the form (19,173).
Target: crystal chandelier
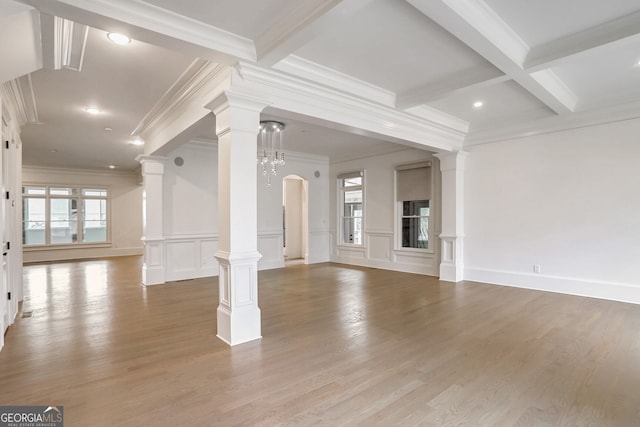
(270,154)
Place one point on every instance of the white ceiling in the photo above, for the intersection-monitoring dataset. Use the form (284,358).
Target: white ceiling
(529,62)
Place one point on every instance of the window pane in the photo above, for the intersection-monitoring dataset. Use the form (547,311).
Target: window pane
(94,220)
(34,191)
(352,231)
(415,232)
(353,209)
(415,208)
(354,196)
(94,192)
(352,182)
(64,221)
(33,221)
(63,191)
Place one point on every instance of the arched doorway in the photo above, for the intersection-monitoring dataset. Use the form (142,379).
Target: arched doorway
(295,219)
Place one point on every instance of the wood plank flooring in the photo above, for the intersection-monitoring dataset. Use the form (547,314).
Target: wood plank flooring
(341,346)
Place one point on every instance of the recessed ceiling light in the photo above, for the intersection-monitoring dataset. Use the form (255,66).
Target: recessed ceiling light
(93,110)
(108,129)
(478,104)
(137,141)
(118,38)
(112,166)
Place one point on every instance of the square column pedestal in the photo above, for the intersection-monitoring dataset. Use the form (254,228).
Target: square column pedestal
(238,312)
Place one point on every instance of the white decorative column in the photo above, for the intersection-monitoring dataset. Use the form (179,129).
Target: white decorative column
(452,235)
(152,225)
(237,123)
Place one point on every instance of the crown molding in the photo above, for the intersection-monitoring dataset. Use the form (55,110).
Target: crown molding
(183,104)
(431,114)
(203,143)
(69,44)
(185,87)
(291,93)
(20,99)
(304,158)
(552,124)
(317,73)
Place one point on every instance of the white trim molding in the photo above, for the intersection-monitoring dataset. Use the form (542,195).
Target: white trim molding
(615,291)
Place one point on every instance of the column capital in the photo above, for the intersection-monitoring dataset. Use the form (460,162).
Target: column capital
(230,107)
(151,165)
(452,161)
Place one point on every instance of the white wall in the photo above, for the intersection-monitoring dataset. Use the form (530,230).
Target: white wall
(125,195)
(379,249)
(190,211)
(567,201)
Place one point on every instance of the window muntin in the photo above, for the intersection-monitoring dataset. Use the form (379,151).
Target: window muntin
(60,215)
(352,208)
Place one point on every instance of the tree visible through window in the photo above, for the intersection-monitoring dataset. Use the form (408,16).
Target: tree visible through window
(55,215)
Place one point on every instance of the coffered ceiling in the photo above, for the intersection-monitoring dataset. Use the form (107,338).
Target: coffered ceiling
(534,65)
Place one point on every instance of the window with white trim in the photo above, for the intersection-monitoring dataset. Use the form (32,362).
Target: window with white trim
(351,208)
(61,215)
(413,196)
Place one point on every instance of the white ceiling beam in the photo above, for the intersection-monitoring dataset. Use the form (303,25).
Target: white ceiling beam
(555,51)
(155,25)
(456,84)
(480,28)
(301,24)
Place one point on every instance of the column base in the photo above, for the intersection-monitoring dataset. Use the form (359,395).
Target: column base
(152,276)
(451,267)
(239,317)
(450,273)
(240,326)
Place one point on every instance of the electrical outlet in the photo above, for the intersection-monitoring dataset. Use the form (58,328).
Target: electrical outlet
(536,268)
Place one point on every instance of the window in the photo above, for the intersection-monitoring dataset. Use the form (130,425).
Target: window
(415,224)
(56,215)
(413,194)
(351,207)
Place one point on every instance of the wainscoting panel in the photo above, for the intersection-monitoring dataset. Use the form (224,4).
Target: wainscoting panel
(190,257)
(270,247)
(379,246)
(379,252)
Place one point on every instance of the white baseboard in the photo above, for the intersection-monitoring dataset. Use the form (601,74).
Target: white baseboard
(624,292)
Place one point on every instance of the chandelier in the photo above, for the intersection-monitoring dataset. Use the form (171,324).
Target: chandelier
(270,154)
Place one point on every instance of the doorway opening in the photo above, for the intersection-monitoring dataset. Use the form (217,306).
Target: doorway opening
(295,220)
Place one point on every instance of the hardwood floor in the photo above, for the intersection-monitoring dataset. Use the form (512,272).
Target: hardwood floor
(341,346)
